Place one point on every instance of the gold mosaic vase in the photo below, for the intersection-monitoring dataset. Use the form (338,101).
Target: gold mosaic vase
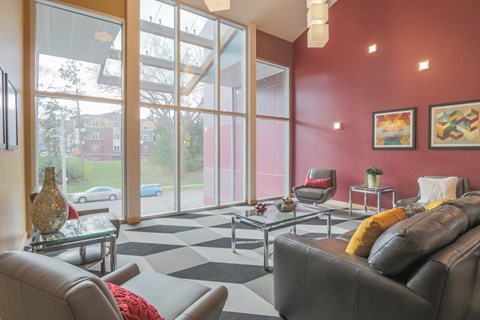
(50,208)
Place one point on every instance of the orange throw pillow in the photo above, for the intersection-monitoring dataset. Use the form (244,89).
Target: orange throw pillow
(371,228)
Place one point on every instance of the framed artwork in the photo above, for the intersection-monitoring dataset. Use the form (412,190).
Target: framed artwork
(3,140)
(11,115)
(454,125)
(394,129)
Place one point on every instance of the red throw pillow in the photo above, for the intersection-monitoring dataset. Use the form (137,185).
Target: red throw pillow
(133,306)
(72,213)
(318,183)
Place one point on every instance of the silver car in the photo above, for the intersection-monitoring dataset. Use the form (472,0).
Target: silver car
(97,193)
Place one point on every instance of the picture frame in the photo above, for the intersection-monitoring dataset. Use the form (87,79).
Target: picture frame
(11,115)
(3,137)
(394,129)
(454,125)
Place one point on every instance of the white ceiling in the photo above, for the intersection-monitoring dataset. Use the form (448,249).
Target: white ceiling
(285,19)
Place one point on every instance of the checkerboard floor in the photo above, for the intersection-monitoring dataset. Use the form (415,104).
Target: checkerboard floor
(196,246)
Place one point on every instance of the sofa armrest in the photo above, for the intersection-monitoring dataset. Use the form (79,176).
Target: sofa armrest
(208,307)
(314,279)
(123,274)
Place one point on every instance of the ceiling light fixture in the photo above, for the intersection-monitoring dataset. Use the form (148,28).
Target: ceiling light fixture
(217,5)
(317,17)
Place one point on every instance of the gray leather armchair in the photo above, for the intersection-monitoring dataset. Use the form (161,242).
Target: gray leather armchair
(34,286)
(463,186)
(317,195)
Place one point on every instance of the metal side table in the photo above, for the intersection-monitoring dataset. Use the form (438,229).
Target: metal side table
(366,191)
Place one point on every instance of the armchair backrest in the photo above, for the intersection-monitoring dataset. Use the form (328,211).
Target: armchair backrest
(33,286)
(317,173)
(463,184)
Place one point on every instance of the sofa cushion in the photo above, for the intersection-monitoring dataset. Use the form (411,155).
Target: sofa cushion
(434,204)
(318,183)
(433,189)
(132,306)
(410,240)
(370,229)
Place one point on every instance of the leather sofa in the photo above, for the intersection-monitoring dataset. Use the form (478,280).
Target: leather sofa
(422,268)
(33,286)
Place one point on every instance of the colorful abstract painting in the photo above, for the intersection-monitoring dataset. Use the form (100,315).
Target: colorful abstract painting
(394,129)
(455,125)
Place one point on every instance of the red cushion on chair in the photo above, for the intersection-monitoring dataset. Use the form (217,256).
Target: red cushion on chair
(72,213)
(133,306)
(318,183)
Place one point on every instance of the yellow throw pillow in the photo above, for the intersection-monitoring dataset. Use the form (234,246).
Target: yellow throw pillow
(434,204)
(371,228)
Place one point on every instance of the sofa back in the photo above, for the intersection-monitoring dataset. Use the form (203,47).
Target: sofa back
(33,286)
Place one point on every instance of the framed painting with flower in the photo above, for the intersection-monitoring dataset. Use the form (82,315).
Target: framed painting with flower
(394,129)
(454,125)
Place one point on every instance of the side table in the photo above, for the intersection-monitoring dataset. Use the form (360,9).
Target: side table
(366,190)
(78,233)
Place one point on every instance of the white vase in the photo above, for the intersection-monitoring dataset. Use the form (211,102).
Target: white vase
(50,208)
(373,180)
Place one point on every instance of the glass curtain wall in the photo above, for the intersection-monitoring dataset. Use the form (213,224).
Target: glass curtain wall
(192,72)
(273,124)
(79,105)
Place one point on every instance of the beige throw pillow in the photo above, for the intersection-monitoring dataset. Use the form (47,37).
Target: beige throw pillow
(432,189)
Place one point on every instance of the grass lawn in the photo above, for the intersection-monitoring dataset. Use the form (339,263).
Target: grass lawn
(109,173)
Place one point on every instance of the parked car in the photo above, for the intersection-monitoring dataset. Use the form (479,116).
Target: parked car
(150,190)
(97,193)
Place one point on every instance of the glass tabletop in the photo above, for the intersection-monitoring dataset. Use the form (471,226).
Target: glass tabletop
(74,230)
(273,217)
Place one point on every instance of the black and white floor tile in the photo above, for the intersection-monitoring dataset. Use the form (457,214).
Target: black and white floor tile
(197,246)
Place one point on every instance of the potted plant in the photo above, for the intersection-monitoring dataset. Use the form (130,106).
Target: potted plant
(372,177)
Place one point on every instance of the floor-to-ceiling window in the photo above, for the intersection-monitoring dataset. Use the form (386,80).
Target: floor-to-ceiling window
(273,130)
(79,104)
(192,119)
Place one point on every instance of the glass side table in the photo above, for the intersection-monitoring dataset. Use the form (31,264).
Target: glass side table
(80,233)
(366,191)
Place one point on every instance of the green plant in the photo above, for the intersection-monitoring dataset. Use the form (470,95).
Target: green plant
(374,170)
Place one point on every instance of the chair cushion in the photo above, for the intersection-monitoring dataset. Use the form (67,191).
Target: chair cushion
(370,229)
(132,306)
(415,238)
(318,183)
(310,193)
(433,189)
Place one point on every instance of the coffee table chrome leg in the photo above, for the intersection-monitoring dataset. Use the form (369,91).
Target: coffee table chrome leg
(394,199)
(103,255)
(113,252)
(265,249)
(329,225)
(233,234)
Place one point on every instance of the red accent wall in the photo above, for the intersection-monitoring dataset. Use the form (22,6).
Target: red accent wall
(342,82)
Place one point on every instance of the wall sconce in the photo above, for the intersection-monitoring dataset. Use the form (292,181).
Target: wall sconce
(424,65)
(372,48)
(217,5)
(317,17)
(337,125)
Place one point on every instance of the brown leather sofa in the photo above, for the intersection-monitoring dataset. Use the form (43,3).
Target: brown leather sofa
(33,286)
(422,268)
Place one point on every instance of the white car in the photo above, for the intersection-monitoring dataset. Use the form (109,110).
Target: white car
(97,193)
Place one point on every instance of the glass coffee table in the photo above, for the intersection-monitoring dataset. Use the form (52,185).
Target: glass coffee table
(272,219)
(80,233)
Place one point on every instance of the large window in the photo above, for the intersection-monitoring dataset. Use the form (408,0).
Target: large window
(192,76)
(273,131)
(79,103)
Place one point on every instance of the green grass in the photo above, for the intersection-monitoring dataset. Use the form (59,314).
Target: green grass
(109,173)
